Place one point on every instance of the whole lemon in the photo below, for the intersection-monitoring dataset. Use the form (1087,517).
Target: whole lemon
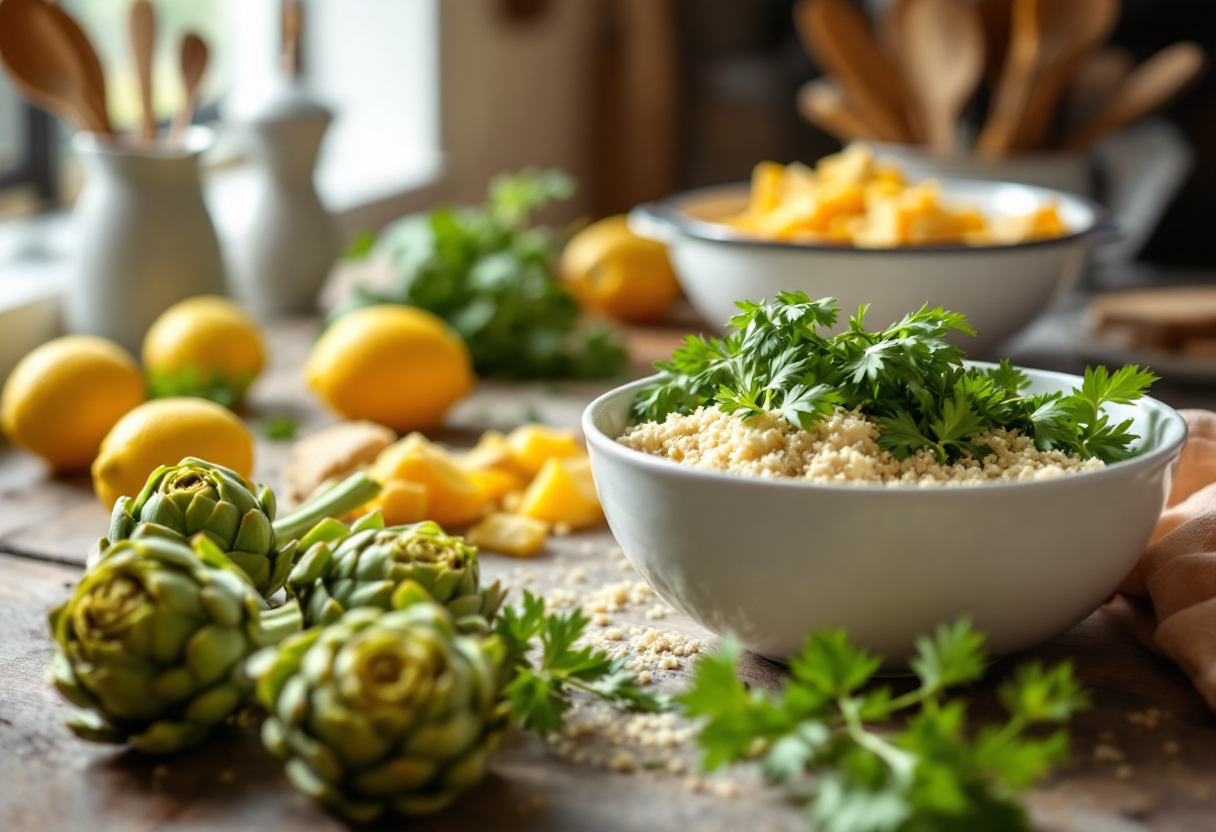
(164,432)
(397,365)
(63,397)
(205,345)
(611,270)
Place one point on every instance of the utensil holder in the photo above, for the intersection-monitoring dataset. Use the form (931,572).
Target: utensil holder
(144,237)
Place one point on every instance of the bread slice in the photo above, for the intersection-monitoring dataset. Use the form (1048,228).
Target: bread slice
(1163,319)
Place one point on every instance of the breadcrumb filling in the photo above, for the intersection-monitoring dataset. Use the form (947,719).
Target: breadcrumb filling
(843,448)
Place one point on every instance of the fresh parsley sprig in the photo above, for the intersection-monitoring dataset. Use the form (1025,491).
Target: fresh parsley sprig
(815,736)
(490,276)
(540,692)
(909,377)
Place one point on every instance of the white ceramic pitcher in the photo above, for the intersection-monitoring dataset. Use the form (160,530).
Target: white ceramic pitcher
(144,239)
(281,258)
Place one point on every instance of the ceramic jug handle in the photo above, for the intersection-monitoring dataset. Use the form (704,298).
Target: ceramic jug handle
(1144,166)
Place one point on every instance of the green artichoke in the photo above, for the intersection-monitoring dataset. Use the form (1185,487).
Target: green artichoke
(365,565)
(153,643)
(197,498)
(384,709)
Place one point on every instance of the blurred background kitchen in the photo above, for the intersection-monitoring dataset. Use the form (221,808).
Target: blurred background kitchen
(636,99)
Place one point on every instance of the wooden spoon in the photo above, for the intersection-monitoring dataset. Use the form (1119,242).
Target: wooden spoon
(821,103)
(143,45)
(997,19)
(1069,33)
(95,77)
(293,28)
(839,38)
(43,62)
(194,64)
(1150,86)
(942,44)
(1013,89)
(1094,84)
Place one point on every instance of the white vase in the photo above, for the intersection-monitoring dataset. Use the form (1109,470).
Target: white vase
(281,258)
(144,238)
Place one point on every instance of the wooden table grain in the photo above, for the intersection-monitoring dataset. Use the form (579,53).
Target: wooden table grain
(1129,770)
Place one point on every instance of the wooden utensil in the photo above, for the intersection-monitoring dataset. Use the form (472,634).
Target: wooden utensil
(194,64)
(1094,83)
(44,63)
(1069,32)
(1013,88)
(839,38)
(143,46)
(890,28)
(996,16)
(821,103)
(95,77)
(1150,86)
(293,28)
(942,49)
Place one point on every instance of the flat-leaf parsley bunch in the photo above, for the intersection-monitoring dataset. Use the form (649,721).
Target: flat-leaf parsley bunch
(909,377)
(930,775)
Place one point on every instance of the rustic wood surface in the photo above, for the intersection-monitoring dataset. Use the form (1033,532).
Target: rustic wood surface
(1124,774)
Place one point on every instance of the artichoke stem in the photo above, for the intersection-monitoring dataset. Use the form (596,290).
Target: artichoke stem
(354,491)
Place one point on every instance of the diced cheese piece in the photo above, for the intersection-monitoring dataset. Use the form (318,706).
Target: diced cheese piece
(509,534)
(491,451)
(534,445)
(563,492)
(454,497)
(403,502)
(495,483)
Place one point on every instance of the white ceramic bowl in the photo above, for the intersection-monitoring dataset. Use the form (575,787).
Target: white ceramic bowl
(773,560)
(999,288)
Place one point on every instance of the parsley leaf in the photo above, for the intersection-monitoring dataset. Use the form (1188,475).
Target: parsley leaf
(491,278)
(927,775)
(909,377)
(540,692)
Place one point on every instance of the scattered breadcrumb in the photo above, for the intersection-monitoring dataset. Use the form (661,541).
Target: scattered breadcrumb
(1123,772)
(1170,747)
(1146,719)
(842,448)
(562,529)
(1104,753)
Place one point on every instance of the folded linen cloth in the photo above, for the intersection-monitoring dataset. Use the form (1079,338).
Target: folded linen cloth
(1170,597)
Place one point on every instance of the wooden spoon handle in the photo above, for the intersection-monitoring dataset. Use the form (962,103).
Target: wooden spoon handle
(821,103)
(840,40)
(1013,89)
(143,45)
(1150,86)
(293,28)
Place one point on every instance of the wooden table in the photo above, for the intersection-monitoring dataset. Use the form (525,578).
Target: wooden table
(1124,774)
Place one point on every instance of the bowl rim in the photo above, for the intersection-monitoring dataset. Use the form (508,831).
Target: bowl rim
(668,212)
(603,443)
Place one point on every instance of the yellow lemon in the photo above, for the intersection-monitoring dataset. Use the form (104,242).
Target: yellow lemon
(203,343)
(63,397)
(164,432)
(612,270)
(396,365)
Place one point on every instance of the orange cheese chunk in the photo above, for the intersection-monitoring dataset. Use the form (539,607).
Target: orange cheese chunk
(403,502)
(534,445)
(454,496)
(563,492)
(509,534)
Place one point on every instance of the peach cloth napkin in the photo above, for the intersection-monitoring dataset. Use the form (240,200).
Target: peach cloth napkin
(1170,596)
